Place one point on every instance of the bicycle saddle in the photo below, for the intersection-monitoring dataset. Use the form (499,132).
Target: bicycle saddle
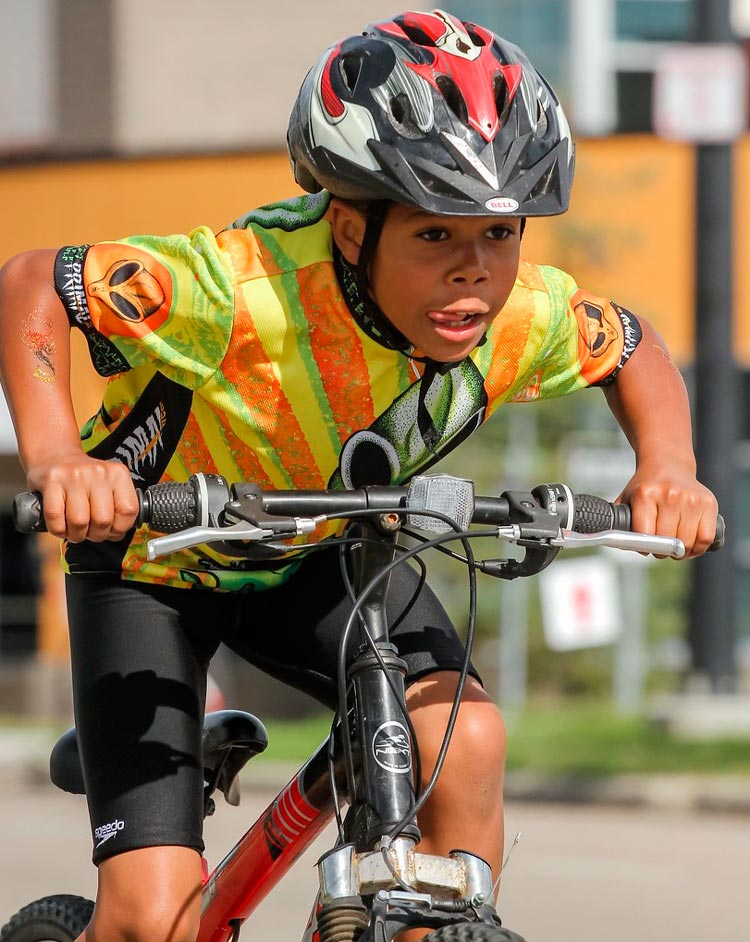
(230,739)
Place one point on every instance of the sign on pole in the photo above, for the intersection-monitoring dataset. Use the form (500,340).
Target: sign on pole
(700,93)
(580,603)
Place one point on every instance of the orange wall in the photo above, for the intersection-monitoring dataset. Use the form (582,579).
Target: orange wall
(629,233)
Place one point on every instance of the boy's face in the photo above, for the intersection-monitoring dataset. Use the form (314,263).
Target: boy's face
(441,280)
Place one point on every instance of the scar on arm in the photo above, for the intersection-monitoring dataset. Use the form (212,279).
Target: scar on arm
(665,356)
(38,341)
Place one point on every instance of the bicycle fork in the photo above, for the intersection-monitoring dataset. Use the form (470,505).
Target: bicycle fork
(380,861)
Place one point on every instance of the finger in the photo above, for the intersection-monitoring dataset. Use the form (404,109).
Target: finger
(668,519)
(77,514)
(125,509)
(705,534)
(53,503)
(643,513)
(101,513)
(687,531)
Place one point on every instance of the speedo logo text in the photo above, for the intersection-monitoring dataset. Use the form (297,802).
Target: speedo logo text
(106,831)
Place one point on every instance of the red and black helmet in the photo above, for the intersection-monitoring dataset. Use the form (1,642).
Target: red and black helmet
(428,110)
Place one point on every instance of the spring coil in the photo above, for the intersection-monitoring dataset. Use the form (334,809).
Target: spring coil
(342,923)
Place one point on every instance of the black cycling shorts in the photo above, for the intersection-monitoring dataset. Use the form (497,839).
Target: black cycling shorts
(140,655)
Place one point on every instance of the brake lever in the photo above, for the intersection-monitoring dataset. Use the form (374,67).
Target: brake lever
(171,542)
(624,540)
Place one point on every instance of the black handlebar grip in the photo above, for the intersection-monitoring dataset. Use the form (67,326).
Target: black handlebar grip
(170,506)
(592,514)
(27,513)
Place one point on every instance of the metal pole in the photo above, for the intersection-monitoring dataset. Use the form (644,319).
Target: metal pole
(630,651)
(714,583)
(593,83)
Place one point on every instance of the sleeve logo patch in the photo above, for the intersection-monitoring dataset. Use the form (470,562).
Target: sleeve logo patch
(600,331)
(128,296)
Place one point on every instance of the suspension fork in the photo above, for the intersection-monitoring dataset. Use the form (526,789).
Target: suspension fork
(385,787)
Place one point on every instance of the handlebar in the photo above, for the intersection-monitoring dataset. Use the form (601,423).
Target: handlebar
(207,509)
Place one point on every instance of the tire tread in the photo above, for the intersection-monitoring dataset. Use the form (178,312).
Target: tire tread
(473,932)
(59,918)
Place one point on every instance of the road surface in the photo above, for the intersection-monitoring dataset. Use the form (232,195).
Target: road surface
(579,873)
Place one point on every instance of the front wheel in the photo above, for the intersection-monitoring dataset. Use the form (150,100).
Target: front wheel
(472,932)
(51,919)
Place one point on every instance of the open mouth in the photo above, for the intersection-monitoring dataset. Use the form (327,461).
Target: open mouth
(454,321)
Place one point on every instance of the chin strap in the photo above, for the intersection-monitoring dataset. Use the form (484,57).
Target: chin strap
(364,310)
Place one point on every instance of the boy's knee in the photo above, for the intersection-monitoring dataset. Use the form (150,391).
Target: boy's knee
(110,925)
(480,738)
(478,743)
(151,893)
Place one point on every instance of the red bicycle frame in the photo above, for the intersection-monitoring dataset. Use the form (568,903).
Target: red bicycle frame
(262,856)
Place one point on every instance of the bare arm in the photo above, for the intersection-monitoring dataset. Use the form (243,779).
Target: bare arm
(83,498)
(650,402)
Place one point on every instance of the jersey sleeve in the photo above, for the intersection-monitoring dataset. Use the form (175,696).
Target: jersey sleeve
(168,300)
(587,342)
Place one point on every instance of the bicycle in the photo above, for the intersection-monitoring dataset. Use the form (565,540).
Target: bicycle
(373,883)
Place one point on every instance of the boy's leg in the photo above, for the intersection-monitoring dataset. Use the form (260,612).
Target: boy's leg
(465,810)
(139,658)
(151,893)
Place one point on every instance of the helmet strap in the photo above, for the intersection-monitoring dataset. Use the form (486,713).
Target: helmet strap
(374,222)
(355,282)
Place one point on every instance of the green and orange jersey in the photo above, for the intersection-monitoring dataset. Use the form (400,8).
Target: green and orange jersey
(239,354)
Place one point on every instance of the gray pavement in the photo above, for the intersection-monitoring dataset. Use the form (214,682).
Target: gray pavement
(580,873)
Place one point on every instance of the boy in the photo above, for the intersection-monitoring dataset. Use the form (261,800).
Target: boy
(352,336)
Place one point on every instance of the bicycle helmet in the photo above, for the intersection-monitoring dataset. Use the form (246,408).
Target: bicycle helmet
(428,110)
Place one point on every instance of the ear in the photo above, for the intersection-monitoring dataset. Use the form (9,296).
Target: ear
(348,227)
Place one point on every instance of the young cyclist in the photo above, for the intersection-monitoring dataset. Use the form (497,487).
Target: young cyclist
(351,336)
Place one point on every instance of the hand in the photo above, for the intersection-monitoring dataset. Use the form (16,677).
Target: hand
(85,498)
(670,501)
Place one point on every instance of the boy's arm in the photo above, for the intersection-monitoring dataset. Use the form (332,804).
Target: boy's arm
(83,498)
(649,400)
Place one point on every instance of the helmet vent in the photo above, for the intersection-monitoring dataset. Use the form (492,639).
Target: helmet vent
(544,183)
(500,88)
(417,35)
(401,117)
(350,67)
(541,119)
(474,34)
(453,97)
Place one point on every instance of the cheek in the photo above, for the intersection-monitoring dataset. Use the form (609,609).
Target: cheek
(397,280)
(505,277)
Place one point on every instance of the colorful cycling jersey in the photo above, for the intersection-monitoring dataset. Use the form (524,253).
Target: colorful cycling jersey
(239,354)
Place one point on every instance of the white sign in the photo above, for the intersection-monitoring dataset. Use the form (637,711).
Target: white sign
(700,93)
(580,603)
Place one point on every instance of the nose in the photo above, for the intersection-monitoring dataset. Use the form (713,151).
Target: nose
(469,265)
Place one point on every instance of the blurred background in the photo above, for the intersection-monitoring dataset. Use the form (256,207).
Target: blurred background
(126,116)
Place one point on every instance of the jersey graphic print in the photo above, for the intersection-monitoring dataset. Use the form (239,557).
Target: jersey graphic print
(132,294)
(608,334)
(426,422)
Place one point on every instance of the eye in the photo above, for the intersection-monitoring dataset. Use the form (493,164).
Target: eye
(433,235)
(500,232)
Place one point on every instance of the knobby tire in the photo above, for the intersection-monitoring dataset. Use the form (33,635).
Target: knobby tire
(472,932)
(51,919)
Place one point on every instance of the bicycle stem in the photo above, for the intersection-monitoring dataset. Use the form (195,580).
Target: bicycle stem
(383,732)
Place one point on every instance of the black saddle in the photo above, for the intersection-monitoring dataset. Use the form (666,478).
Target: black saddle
(230,739)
